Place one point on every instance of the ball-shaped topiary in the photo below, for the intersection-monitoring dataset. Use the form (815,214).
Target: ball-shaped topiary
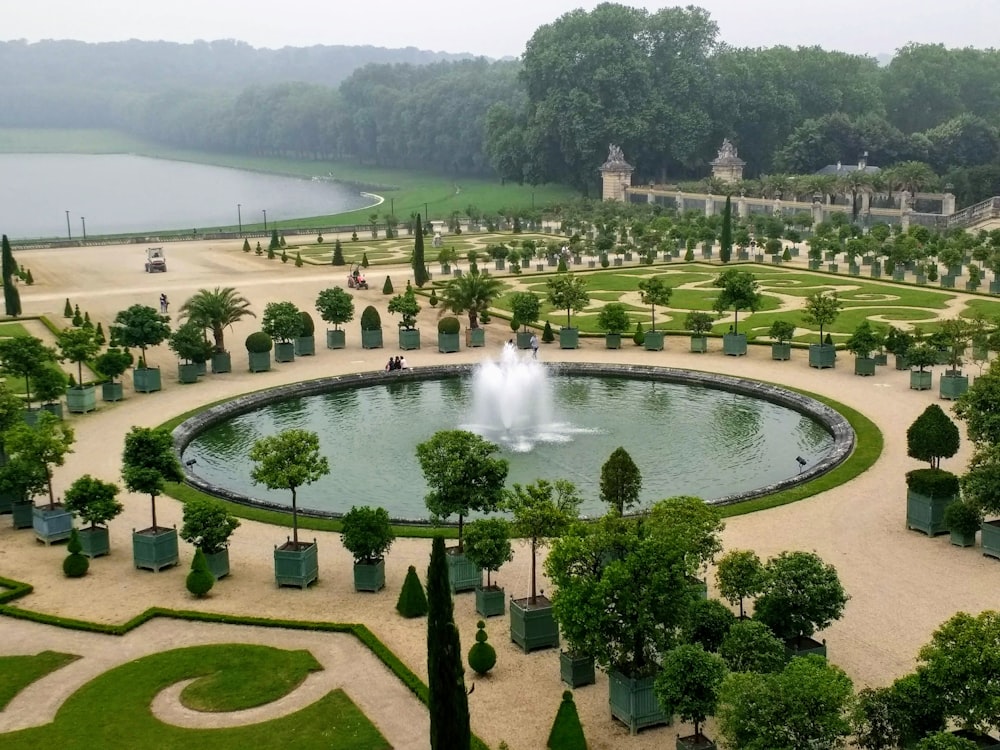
(308,326)
(482,656)
(200,580)
(370,319)
(449,324)
(259,342)
(412,599)
(75,565)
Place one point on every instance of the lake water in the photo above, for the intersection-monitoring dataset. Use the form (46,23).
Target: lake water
(120,193)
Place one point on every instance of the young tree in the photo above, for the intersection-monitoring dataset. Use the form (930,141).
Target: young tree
(739,574)
(739,292)
(282,321)
(800,595)
(208,524)
(487,544)
(463,474)
(621,481)
(822,308)
(689,685)
(25,356)
(335,306)
(613,318)
(419,267)
(11,297)
(447,702)
(93,500)
(526,307)
(568,292)
(750,646)
(471,294)
(932,436)
(188,342)
(287,461)
(653,292)
(113,363)
(141,326)
(541,510)
(216,309)
(43,446)
(78,345)
(726,236)
(408,308)
(149,462)
(979,407)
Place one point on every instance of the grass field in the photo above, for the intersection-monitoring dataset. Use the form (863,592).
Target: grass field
(17,672)
(404,190)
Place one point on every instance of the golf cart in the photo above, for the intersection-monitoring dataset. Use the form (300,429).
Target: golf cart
(156,260)
(356,279)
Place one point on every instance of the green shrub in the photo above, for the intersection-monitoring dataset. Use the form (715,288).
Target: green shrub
(259,342)
(482,656)
(547,335)
(689,255)
(364,258)
(68,309)
(963,517)
(270,253)
(370,319)
(562,267)
(932,482)
(259,250)
(567,732)
(514,324)
(319,239)
(449,324)
(200,580)
(284,256)
(298,259)
(246,245)
(354,238)
(433,300)
(412,599)
(639,338)
(308,327)
(604,260)
(75,565)
(387,286)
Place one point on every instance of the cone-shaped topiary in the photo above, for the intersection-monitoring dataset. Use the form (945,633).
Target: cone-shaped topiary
(270,253)
(259,250)
(246,245)
(354,238)
(562,267)
(319,238)
(482,656)
(514,324)
(364,256)
(77,317)
(99,336)
(639,337)
(259,342)
(433,298)
(449,324)
(370,319)
(387,286)
(275,242)
(282,240)
(200,580)
(412,599)
(75,565)
(298,259)
(68,309)
(567,732)
(547,335)
(338,254)
(284,255)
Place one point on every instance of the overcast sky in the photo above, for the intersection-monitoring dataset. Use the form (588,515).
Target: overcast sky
(495,29)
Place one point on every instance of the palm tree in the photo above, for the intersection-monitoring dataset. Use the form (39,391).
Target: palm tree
(911,176)
(216,309)
(851,185)
(472,293)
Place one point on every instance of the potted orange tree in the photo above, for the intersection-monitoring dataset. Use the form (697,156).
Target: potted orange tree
(95,502)
(335,306)
(367,535)
(208,525)
(148,463)
(487,546)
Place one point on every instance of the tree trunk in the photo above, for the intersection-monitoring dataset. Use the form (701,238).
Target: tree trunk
(153,504)
(295,521)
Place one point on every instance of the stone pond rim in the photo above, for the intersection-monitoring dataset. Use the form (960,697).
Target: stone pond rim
(831,420)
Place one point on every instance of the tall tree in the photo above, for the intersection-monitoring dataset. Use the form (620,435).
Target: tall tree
(216,309)
(149,462)
(621,481)
(726,237)
(419,267)
(11,297)
(448,702)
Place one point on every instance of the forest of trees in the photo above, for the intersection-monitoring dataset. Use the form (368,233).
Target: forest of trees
(662,85)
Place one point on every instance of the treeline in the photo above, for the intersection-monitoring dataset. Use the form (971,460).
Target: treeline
(660,85)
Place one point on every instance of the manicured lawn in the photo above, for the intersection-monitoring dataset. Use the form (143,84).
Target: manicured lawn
(9,330)
(17,672)
(112,711)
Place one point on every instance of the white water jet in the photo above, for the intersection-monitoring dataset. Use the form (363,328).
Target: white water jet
(512,403)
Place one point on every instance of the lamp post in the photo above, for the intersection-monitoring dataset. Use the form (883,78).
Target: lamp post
(69,232)
(426,218)
(265,218)
(239,216)
(83,221)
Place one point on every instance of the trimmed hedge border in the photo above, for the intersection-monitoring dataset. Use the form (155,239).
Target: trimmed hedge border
(18,589)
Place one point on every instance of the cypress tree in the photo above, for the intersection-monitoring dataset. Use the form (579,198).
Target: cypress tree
(246,245)
(99,334)
(448,702)
(68,310)
(726,238)
(338,254)
(275,242)
(284,256)
(11,297)
(298,259)
(364,259)
(419,269)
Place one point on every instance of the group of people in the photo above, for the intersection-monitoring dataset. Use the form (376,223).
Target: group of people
(396,363)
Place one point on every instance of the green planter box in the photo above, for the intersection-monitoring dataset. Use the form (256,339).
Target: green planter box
(981,741)
(51,524)
(532,625)
(876,271)
(523,339)
(218,563)
(569,338)
(30,416)
(448,342)
(475,337)
(989,537)
(781,352)
(898,274)
(284,351)
(490,601)
(832,267)
(972,286)
(154,549)
(612,341)
(369,576)
(81,399)
(920,278)
(742,255)
(21,514)
(953,385)
(576,671)
(699,344)
(634,703)
(864,366)
(803,646)
(734,344)
(995,286)
(881,359)
(6,501)
(901,362)
(463,575)
(409,339)
(54,408)
(921,380)
(296,567)
(822,356)
(112,391)
(259,361)
(201,367)
(854,269)
(371,339)
(926,514)
(959,539)
(776,260)
(814,265)
(498,264)
(947,282)
(187,373)
(336,339)
(699,587)
(146,379)
(653,341)
(95,541)
(222,362)
(305,346)
(691,742)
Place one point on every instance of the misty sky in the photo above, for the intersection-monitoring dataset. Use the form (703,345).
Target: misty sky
(495,29)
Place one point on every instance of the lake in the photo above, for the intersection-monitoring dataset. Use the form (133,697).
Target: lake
(121,193)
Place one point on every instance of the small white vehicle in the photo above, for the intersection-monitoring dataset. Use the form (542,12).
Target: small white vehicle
(156,260)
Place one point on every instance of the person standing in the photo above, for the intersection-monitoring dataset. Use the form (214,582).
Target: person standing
(534,346)
(164,304)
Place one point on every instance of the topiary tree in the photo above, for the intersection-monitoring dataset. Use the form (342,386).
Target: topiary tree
(275,243)
(654,291)
(259,342)
(307,327)
(208,525)
(639,337)
(567,731)
(979,407)
(526,307)
(800,594)
(621,481)
(822,308)
(487,545)
(739,574)
(50,385)
(149,462)
(246,245)
(408,308)
(412,600)
(200,580)
(567,292)
(740,291)
(699,323)
(420,276)
(781,331)
(78,345)
(282,321)
(68,310)
(298,259)
(449,325)
(387,286)
(750,646)
(188,342)
(367,534)
(688,686)
(613,318)
(76,564)
(41,447)
(11,297)
(482,656)
(864,340)
(113,363)
(370,319)
(726,234)
(335,306)
(338,254)
(547,334)
(932,436)
(92,500)
(141,326)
